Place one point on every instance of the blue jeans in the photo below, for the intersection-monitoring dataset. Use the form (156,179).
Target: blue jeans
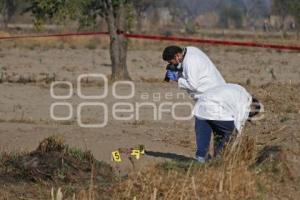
(222,133)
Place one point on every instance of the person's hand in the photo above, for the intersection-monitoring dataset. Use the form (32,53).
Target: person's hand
(172,75)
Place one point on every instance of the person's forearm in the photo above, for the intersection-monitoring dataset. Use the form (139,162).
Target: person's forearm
(183,83)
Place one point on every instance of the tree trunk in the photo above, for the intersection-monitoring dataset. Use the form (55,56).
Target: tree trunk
(5,21)
(7,11)
(116,21)
(139,20)
(4,16)
(283,29)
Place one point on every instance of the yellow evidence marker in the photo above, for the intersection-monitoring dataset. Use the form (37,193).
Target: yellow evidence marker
(142,149)
(136,153)
(116,156)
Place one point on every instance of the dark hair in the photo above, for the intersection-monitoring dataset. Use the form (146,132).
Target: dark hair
(257,106)
(170,52)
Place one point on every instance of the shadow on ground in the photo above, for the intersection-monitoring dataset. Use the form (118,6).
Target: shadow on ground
(172,156)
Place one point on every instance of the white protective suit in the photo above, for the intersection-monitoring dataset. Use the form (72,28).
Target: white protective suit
(216,100)
(230,102)
(199,73)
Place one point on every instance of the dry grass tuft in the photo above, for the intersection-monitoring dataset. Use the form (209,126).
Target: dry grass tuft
(229,177)
(54,164)
(52,143)
(238,174)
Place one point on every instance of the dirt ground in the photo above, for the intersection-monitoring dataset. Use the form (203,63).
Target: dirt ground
(25,101)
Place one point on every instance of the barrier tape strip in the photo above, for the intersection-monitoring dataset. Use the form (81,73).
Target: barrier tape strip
(53,35)
(165,38)
(213,42)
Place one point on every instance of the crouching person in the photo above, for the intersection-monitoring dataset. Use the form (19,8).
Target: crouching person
(222,110)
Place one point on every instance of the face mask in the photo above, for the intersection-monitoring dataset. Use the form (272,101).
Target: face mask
(179,66)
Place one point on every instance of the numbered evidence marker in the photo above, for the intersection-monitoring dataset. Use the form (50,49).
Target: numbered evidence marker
(136,153)
(142,149)
(116,156)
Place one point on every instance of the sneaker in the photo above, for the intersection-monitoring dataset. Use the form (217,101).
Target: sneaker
(200,159)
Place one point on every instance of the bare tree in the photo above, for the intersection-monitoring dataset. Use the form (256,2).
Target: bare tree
(115,13)
(141,7)
(255,9)
(7,9)
(115,17)
(281,8)
(284,8)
